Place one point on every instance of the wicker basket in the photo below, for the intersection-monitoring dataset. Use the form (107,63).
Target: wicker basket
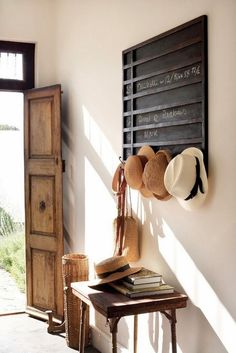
(74,269)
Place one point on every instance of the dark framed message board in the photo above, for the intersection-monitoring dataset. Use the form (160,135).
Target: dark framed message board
(165,91)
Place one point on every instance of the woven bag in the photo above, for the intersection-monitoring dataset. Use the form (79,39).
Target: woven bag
(130,244)
(125,226)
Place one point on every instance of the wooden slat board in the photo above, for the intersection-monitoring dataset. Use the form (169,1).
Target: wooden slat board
(165,91)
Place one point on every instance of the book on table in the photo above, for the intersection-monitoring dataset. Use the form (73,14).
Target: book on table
(137,287)
(162,289)
(143,276)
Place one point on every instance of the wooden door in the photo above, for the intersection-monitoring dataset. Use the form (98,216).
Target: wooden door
(43,201)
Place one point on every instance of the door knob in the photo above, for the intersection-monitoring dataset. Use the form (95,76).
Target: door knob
(42,205)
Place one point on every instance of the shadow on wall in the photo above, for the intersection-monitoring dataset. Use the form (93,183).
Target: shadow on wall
(193,282)
(90,174)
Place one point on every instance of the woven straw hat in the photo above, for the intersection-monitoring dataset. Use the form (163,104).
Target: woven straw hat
(134,167)
(186,179)
(153,175)
(134,170)
(112,269)
(146,151)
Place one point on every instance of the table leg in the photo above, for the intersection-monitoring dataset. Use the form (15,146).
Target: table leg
(172,319)
(113,322)
(83,307)
(135,333)
(173,331)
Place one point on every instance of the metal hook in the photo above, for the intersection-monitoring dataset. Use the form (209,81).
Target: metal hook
(121,160)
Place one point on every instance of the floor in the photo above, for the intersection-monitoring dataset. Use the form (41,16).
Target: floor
(23,334)
(11,299)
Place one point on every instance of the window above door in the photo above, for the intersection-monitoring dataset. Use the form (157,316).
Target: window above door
(16,66)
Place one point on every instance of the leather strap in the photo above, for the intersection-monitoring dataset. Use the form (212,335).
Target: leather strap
(120,221)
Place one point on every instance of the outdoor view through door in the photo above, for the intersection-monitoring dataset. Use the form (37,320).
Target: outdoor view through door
(16,75)
(41,268)
(12,253)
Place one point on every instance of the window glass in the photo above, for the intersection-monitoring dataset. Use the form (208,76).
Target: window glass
(11,66)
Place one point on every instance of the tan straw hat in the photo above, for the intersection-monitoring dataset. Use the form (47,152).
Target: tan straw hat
(112,269)
(186,178)
(134,167)
(146,151)
(153,175)
(134,170)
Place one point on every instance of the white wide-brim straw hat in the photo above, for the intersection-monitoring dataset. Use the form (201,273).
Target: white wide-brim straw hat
(186,179)
(112,269)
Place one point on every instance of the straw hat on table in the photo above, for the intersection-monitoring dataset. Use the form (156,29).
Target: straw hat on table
(112,269)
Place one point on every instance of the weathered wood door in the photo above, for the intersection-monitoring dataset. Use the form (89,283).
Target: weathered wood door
(43,200)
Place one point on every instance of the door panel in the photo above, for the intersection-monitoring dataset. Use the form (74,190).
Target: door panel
(42,204)
(43,280)
(43,200)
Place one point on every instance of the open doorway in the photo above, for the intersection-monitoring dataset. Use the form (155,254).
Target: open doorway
(16,75)
(12,231)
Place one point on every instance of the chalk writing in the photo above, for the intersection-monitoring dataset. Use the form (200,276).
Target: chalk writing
(155,117)
(173,77)
(150,133)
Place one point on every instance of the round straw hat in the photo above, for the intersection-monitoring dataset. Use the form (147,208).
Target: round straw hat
(134,167)
(146,151)
(153,175)
(134,170)
(186,179)
(112,269)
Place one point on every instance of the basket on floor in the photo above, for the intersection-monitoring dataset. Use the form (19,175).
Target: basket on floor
(74,269)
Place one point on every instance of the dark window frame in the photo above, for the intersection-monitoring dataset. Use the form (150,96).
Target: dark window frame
(28,52)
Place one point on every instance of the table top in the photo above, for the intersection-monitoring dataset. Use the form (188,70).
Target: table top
(110,303)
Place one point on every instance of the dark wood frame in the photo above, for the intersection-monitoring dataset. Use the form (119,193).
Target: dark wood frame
(27,49)
(188,130)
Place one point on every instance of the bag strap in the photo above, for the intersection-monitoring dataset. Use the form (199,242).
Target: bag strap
(128,203)
(120,223)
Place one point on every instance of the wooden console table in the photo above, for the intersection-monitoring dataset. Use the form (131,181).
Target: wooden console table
(114,305)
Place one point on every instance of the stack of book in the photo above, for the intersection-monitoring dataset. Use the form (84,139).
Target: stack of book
(141,284)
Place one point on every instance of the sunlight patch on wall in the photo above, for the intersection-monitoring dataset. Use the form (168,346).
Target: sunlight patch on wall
(99,215)
(99,142)
(197,288)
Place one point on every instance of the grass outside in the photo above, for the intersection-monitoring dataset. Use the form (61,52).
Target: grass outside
(12,257)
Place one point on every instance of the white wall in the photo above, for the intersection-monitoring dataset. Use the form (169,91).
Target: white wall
(32,21)
(194,251)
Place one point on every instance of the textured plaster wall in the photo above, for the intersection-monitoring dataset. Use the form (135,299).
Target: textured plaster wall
(194,251)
